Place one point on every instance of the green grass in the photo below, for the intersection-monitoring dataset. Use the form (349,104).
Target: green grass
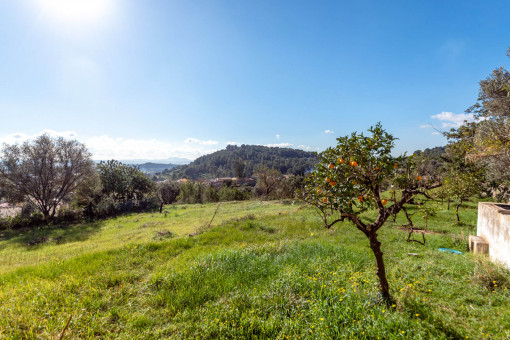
(60,242)
(264,270)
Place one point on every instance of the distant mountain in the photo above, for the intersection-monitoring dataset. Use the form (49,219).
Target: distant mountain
(235,160)
(172,160)
(148,167)
(152,168)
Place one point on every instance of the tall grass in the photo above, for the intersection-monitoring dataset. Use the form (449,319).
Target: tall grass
(261,271)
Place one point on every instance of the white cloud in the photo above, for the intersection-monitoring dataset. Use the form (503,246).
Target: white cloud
(425,126)
(107,147)
(452,120)
(280,145)
(329,132)
(304,147)
(198,141)
(20,137)
(437,133)
(277,136)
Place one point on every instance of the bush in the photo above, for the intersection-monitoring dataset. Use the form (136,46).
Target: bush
(191,193)
(167,191)
(67,215)
(28,209)
(108,206)
(21,221)
(234,194)
(211,194)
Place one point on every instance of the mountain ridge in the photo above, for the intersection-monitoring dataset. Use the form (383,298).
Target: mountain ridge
(241,161)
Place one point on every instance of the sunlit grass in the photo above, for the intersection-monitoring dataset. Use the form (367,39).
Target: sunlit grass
(265,270)
(63,242)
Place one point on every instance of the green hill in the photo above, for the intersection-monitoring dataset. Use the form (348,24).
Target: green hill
(152,168)
(242,160)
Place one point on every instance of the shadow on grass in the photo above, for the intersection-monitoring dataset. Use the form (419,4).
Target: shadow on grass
(34,238)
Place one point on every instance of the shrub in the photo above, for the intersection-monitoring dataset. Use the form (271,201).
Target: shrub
(234,194)
(211,194)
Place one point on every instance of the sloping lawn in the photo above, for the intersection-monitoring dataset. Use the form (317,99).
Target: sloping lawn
(263,270)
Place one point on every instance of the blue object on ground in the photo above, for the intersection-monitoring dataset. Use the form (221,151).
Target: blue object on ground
(450,251)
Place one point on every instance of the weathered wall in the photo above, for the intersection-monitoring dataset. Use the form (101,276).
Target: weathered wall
(494,225)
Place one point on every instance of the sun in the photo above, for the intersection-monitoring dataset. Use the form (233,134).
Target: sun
(76,11)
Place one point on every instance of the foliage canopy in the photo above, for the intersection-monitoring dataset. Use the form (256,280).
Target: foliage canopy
(45,171)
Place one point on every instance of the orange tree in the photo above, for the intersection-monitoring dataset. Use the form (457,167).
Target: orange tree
(348,180)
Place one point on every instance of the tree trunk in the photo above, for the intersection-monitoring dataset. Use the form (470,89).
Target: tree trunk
(448,203)
(457,210)
(161,208)
(408,217)
(46,214)
(375,245)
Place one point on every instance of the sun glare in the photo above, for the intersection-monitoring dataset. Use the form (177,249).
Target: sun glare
(75,11)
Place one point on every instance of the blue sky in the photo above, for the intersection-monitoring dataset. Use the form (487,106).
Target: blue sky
(156,79)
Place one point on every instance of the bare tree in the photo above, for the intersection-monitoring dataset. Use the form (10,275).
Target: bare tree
(45,171)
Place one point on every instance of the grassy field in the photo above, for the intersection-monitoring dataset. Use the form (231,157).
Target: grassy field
(262,270)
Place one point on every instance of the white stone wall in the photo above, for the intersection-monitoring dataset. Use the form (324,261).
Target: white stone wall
(494,225)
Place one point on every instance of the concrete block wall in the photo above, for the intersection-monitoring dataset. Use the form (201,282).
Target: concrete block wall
(494,225)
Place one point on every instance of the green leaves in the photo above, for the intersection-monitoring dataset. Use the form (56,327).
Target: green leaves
(348,175)
(123,181)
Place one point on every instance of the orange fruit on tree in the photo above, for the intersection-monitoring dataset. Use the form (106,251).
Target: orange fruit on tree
(331,166)
(332,183)
(384,202)
(354,163)
(328,179)
(418,178)
(341,161)
(325,200)
(395,165)
(377,168)
(360,198)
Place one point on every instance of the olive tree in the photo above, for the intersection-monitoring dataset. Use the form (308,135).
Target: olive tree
(462,185)
(45,171)
(268,180)
(122,181)
(486,141)
(167,193)
(347,181)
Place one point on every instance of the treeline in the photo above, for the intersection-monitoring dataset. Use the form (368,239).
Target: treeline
(271,186)
(242,161)
(55,181)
